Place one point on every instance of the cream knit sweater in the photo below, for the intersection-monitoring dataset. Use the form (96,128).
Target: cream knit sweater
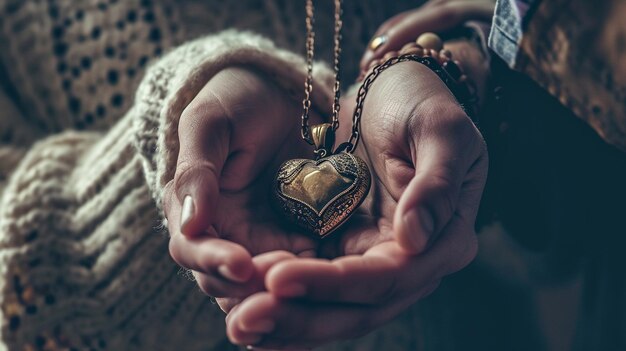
(83,254)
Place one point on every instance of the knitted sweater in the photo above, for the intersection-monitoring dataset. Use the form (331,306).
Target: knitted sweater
(83,254)
(88,138)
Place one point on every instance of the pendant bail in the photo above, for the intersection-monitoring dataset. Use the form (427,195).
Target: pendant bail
(323,138)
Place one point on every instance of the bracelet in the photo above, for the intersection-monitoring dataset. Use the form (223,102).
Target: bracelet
(428,50)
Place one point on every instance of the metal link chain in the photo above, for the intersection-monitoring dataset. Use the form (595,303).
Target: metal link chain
(308,84)
(457,91)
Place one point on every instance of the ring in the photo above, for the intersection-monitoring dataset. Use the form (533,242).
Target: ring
(377,42)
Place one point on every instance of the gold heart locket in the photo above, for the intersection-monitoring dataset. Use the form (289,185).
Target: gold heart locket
(320,195)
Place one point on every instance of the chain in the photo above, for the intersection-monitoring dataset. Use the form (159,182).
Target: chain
(308,84)
(337,53)
(429,62)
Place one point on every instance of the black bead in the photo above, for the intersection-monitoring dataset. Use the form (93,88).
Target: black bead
(453,70)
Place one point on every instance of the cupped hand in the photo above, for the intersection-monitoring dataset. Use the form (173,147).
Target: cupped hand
(429,166)
(434,16)
(233,136)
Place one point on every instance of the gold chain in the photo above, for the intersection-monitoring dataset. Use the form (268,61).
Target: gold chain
(308,84)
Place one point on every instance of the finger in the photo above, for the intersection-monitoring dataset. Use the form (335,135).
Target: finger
(204,135)
(441,162)
(369,279)
(435,18)
(212,256)
(265,321)
(262,264)
(227,304)
(217,285)
(385,273)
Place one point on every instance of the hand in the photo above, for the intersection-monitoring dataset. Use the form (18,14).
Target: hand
(434,16)
(429,166)
(233,136)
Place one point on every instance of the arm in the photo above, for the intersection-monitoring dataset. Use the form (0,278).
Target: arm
(82,264)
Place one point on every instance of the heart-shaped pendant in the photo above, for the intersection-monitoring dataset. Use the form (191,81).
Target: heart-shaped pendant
(321,195)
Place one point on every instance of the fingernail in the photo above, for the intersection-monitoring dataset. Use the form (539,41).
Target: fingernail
(186,213)
(228,274)
(230,314)
(263,326)
(293,290)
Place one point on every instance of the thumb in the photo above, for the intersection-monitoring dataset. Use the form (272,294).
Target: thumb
(204,135)
(425,208)
(430,200)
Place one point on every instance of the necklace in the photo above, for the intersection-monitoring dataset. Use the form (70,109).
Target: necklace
(320,195)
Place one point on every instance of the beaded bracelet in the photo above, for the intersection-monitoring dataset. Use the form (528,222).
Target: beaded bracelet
(428,50)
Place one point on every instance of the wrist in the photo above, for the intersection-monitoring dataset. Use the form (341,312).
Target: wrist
(473,62)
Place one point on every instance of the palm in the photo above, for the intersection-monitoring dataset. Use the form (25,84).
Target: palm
(372,224)
(231,130)
(262,137)
(388,147)
(245,217)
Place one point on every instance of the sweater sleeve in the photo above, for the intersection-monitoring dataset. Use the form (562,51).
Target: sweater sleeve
(175,80)
(84,260)
(84,264)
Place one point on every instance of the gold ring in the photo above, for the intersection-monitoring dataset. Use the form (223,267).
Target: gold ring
(377,42)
